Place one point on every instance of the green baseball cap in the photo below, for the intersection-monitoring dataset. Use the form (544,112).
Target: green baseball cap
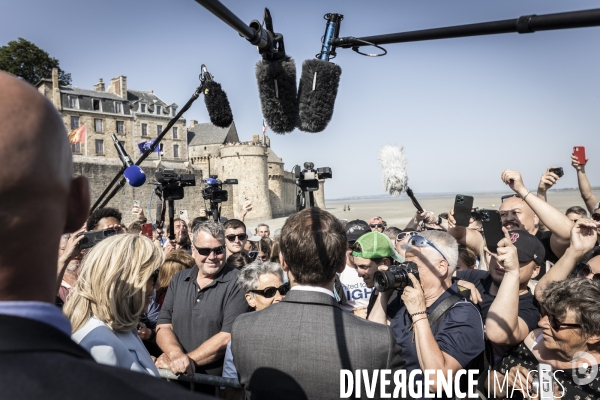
(376,245)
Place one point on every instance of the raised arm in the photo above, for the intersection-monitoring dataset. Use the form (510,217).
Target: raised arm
(465,236)
(547,180)
(584,184)
(413,224)
(503,325)
(558,223)
(583,239)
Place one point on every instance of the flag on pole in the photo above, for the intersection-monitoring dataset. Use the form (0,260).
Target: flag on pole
(146,145)
(264,127)
(78,135)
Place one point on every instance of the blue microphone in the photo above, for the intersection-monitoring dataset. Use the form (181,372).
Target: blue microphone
(134,175)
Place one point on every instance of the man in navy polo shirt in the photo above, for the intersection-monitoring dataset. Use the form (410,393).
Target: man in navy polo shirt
(459,338)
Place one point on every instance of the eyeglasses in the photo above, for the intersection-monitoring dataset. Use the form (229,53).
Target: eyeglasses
(376,225)
(270,291)
(241,236)
(508,196)
(403,235)
(584,270)
(555,324)
(205,251)
(596,216)
(420,241)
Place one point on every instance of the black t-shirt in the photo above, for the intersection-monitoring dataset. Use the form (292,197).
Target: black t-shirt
(528,310)
(544,237)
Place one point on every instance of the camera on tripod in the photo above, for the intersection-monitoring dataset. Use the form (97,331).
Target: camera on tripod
(172,184)
(213,191)
(308,178)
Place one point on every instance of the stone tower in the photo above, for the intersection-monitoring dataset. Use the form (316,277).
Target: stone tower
(248,164)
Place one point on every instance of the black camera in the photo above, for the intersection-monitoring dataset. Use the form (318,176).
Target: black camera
(558,171)
(308,178)
(172,184)
(92,238)
(213,189)
(396,276)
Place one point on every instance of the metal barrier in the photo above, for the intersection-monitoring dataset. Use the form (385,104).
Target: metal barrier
(202,379)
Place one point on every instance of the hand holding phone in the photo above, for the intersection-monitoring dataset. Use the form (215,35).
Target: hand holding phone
(579,152)
(247,204)
(462,210)
(183,214)
(492,229)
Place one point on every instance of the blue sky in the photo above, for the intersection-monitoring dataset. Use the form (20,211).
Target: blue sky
(464,109)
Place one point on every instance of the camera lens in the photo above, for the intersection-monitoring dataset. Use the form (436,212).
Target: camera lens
(381,281)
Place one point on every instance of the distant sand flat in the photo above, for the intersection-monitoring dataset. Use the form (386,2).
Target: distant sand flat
(398,211)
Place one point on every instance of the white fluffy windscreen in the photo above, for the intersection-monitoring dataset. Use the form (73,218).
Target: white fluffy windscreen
(393,166)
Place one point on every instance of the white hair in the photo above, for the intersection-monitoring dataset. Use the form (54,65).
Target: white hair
(251,273)
(446,244)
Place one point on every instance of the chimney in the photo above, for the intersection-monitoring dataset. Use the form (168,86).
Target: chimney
(255,138)
(99,87)
(193,123)
(55,89)
(118,86)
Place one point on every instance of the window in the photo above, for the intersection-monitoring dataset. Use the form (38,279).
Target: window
(158,129)
(74,123)
(144,129)
(98,125)
(176,150)
(118,108)
(96,105)
(76,148)
(159,110)
(173,111)
(99,147)
(73,102)
(120,128)
(162,148)
(142,108)
(175,133)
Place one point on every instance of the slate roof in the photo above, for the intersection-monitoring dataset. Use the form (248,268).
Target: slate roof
(272,157)
(207,133)
(73,90)
(136,97)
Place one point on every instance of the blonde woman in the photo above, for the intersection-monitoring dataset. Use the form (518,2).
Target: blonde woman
(105,305)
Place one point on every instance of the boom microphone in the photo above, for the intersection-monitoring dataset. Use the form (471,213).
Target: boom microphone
(395,179)
(134,175)
(217,104)
(319,82)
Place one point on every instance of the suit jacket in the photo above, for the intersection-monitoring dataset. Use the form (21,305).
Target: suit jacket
(295,349)
(119,349)
(40,362)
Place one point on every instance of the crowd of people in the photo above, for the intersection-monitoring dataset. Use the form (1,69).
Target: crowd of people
(282,314)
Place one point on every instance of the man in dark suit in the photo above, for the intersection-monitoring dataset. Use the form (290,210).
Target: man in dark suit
(40,201)
(297,348)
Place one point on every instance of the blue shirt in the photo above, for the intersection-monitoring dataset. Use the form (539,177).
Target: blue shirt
(38,311)
(460,332)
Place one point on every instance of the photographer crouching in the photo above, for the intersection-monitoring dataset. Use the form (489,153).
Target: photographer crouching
(452,341)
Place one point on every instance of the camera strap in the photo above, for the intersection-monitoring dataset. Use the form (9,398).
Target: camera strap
(440,311)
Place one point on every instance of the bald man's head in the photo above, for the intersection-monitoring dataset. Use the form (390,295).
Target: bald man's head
(40,199)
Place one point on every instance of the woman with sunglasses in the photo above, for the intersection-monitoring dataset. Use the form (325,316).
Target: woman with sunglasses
(262,282)
(568,338)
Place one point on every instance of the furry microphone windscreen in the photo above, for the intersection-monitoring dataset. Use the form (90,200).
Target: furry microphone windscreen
(217,104)
(278,95)
(393,165)
(316,95)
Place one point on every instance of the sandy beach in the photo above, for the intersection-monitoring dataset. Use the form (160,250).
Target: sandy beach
(398,211)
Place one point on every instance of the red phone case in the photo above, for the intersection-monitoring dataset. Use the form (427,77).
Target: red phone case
(579,152)
(147,230)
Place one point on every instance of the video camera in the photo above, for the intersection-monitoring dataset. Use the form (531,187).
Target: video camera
(171,184)
(213,191)
(308,178)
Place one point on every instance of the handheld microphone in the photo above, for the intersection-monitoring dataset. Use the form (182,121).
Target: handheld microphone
(276,78)
(134,175)
(217,104)
(319,82)
(395,179)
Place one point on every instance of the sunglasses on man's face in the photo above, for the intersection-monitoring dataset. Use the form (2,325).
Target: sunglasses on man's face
(403,235)
(241,236)
(205,251)
(376,225)
(585,270)
(270,291)
(555,324)
(420,241)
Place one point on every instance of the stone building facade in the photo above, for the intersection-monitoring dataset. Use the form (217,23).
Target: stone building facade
(202,149)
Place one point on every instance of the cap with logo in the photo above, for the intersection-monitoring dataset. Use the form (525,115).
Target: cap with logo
(528,247)
(376,245)
(356,228)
